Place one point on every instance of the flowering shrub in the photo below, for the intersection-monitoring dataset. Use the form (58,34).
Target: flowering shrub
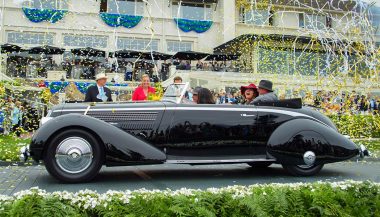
(358,126)
(347,198)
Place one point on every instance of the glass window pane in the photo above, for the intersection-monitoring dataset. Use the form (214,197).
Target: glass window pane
(139,8)
(175,10)
(130,7)
(208,12)
(30,38)
(193,11)
(85,41)
(137,44)
(175,46)
(256,17)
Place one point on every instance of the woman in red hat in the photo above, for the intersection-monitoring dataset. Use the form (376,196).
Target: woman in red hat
(249,93)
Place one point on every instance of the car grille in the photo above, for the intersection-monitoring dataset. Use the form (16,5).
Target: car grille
(127,120)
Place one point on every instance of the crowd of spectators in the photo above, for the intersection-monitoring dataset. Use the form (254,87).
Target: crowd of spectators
(18,116)
(346,102)
(204,66)
(329,101)
(25,67)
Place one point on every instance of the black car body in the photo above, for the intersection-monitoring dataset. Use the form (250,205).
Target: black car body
(79,138)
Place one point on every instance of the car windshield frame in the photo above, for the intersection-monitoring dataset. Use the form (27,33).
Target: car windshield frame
(180,88)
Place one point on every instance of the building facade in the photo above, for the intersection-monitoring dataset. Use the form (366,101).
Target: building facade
(82,24)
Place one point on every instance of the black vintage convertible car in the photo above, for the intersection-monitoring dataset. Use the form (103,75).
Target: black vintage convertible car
(75,140)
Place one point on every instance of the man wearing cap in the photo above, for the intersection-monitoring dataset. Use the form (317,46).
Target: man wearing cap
(265,92)
(98,92)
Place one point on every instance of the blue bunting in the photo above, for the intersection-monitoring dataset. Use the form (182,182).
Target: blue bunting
(56,86)
(116,20)
(38,15)
(198,26)
(1,121)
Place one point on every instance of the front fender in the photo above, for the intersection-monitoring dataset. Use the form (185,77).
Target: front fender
(292,139)
(132,148)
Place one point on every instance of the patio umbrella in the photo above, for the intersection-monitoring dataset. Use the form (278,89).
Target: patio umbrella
(190,55)
(222,57)
(10,48)
(88,51)
(46,49)
(155,56)
(127,54)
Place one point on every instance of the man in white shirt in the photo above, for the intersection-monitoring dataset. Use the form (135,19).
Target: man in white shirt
(98,92)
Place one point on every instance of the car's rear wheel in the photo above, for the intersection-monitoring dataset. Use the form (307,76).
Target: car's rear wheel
(303,170)
(259,165)
(74,156)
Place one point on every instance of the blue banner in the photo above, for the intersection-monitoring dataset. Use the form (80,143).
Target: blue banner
(198,26)
(116,20)
(56,86)
(38,15)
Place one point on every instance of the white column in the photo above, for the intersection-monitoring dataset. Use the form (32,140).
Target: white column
(228,20)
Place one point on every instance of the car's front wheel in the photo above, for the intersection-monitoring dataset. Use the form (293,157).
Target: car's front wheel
(303,170)
(74,156)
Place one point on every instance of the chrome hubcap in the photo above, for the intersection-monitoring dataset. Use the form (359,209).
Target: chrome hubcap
(74,155)
(309,159)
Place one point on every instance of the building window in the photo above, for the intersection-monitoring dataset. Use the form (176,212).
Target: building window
(30,38)
(301,20)
(129,7)
(137,44)
(312,21)
(176,46)
(85,41)
(374,19)
(255,17)
(47,4)
(192,11)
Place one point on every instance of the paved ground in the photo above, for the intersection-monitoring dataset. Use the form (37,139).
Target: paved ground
(16,178)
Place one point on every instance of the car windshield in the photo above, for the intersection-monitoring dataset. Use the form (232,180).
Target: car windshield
(175,92)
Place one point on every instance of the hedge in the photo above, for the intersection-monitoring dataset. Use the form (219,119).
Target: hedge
(358,126)
(347,198)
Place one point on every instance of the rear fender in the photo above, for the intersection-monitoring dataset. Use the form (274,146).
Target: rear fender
(114,139)
(289,142)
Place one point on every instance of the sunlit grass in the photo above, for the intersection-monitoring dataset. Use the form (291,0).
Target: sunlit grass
(10,146)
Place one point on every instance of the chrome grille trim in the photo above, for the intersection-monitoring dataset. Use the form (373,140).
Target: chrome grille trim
(118,116)
(127,120)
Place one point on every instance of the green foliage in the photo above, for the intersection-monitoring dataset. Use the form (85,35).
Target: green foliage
(358,126)
(10,146)
(33,205)
(318,199)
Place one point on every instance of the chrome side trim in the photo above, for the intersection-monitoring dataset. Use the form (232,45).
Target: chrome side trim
(88,108)
(218,161)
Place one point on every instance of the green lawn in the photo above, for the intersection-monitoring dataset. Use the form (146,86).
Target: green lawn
(10,146)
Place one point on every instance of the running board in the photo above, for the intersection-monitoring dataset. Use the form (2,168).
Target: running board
(216,161)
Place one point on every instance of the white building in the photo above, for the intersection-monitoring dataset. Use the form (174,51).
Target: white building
(82,25)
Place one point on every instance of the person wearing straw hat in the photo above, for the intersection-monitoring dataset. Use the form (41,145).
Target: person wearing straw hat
(98,92)
(265,92)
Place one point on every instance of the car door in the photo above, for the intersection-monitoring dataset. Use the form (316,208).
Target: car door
(203,131)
